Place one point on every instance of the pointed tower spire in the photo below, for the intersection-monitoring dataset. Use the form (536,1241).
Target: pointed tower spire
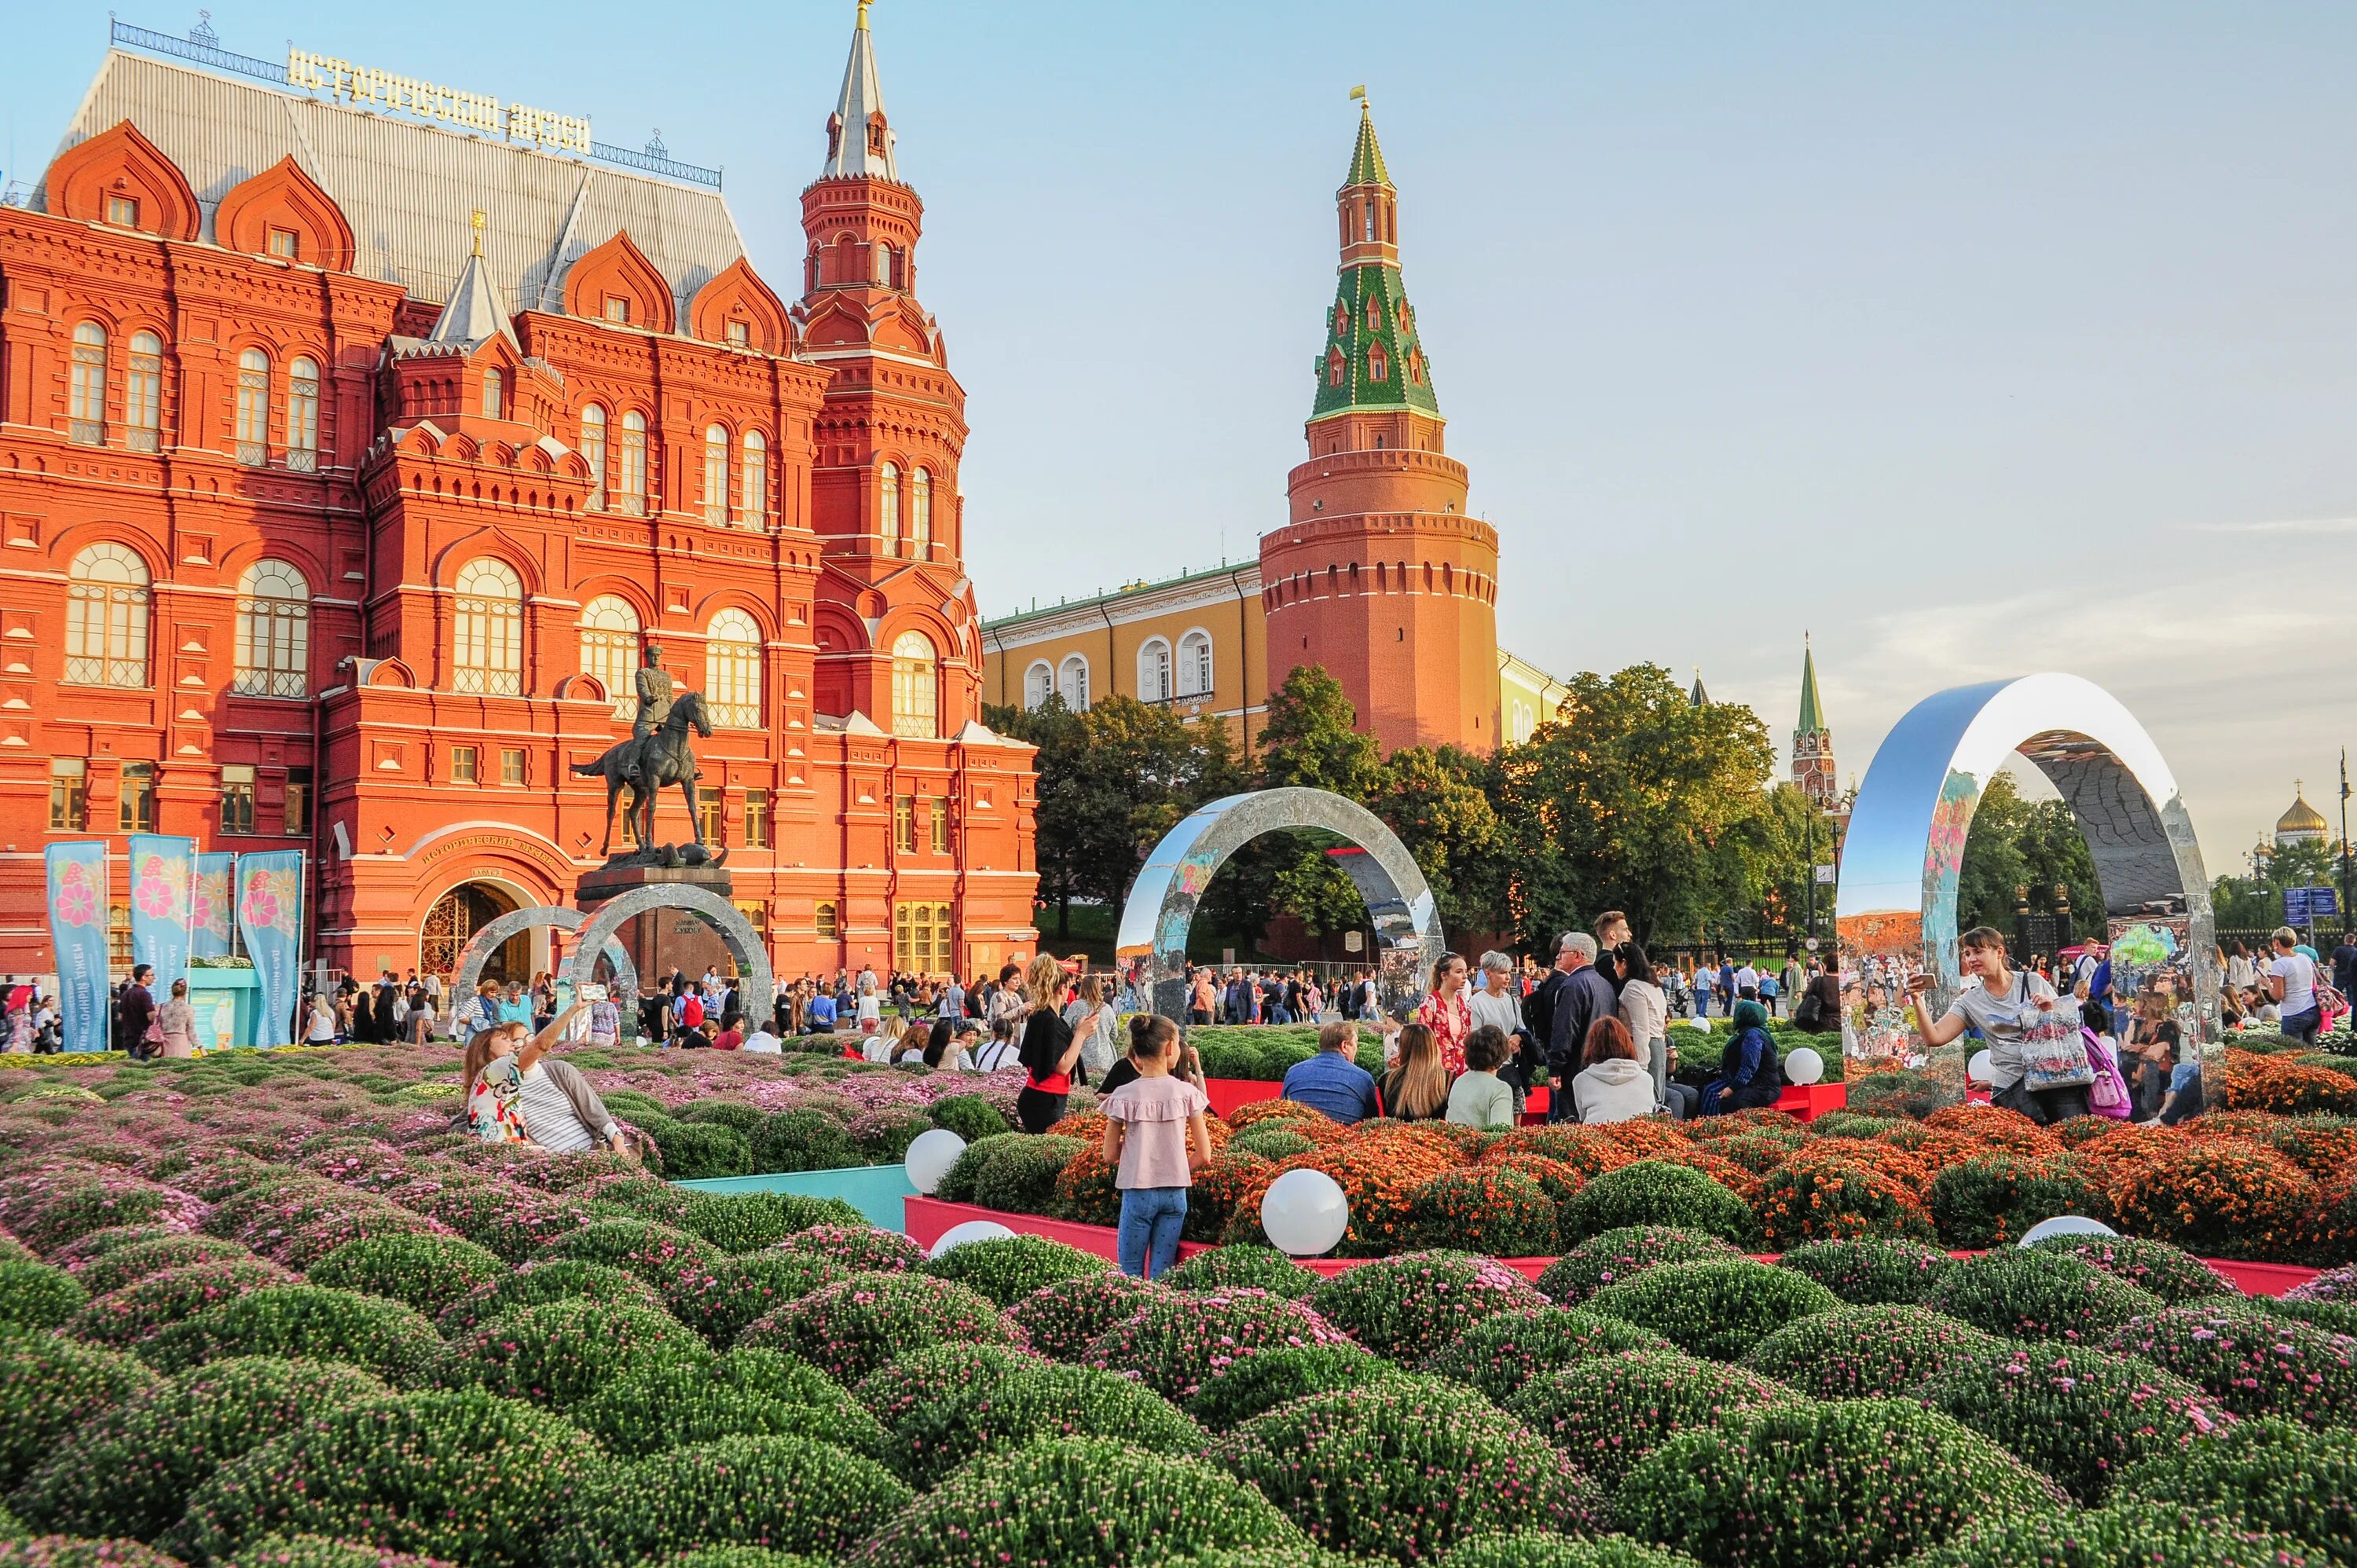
(1813,710)
(1374,358)
(859,137)
(1367,157)
(1813,743)
(473,314)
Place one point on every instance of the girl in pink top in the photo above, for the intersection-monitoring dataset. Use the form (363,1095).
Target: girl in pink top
(1156,1135)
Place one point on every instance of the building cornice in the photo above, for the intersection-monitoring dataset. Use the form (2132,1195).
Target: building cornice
(1205,591)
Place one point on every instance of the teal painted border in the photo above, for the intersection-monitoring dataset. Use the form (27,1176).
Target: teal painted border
(874,1190)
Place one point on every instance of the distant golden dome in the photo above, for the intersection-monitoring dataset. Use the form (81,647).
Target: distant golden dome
(2303,820)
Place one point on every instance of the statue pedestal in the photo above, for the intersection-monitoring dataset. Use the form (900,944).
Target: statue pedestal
(612,881)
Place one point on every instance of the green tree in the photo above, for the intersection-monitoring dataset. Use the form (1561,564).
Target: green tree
(1439,805)
(1633,799)
(1310,741)
(2018,843)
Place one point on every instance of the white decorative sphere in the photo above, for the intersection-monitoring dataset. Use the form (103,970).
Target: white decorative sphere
(1702,1023)
(1978,1069)
(1803,1065)
(2066,1225)
(1303,1213)
(931,1154)
(970,1230)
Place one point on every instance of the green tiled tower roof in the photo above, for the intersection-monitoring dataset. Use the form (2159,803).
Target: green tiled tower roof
(1371,328)
(1813,710)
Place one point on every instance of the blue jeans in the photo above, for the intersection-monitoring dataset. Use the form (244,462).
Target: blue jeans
(1150,1221)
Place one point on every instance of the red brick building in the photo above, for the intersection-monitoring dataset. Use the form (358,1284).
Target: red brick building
(347,462)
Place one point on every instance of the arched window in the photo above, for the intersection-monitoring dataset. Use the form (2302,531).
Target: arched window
(302,414)
(1072,682)
(715,476)
(756,481)
(610,650)
(887,508)
(732,671)
(920,515)
(253,408)
(86,395)
(1194,665)
(1378,367)
(631,494)
(487,641)
(916,695)
(106,617)
(1334,367)
(1374,314)
(1416,367)
(273,631)
(1037,682)
(1341,320)
(883,266)
(1369,228)
(592,452)
(494,393)
(143,394)
(1153,671)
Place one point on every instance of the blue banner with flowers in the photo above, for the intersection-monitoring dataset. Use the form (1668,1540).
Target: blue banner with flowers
(212,906)
(161,870)
(270,918)
(78,932)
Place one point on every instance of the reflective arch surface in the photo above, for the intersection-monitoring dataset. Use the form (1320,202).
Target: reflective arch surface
(600,933)
(489,938)
(1162,901)
(1896,906)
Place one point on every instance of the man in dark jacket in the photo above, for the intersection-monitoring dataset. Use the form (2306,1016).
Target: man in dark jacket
(1585,997)
(134,1008)
(1538,1010)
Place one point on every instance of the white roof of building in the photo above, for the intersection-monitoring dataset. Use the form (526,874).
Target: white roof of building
(409,190)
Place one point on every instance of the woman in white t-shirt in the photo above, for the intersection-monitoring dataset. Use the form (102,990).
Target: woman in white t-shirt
(2001,1002)
(322,1028)
(2291,982)
(870,1013)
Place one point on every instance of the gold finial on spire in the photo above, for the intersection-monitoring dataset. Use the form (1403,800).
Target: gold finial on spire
(478,219)
(861,25)
(1359,97)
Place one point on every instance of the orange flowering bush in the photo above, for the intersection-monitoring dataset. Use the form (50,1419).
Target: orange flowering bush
(1582,1148)
(1646,1138)
(2253,1083)
(1814,1197)
(1417,1140)
(1217,1187)
(2218,1200)
(2122,1148)
(1993,1124)
(1087,1124)
(1881,1158)
(1378,1177)
(1257,1111)
(1755,1153)
(1084,1190)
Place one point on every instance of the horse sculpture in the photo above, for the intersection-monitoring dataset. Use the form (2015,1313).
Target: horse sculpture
(646,765)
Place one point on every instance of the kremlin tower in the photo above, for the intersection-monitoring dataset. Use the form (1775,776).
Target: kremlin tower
(1813,743)
(1380,575)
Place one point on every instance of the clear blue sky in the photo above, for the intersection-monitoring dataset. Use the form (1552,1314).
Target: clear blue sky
(1974,339)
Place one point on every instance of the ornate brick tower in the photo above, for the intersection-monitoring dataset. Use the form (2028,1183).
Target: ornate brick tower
(884,492)
(1380,575)
(1813,743)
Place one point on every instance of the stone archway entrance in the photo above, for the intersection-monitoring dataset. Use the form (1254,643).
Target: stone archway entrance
(1162,901)
(452,924)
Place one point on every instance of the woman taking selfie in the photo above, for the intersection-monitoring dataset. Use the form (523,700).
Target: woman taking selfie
(2002,1002)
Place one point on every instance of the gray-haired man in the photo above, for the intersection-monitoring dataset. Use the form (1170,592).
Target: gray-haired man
(1585,997)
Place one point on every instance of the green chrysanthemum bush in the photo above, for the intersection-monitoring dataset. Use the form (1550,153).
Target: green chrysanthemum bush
(342,1227)
(1502,1353)
(130,1263)
(1544,1549)
(2029,1294)
(124,1318)
(318,1552)
(849,1328)
(1607,1414)
(1022,1179)
(79,1254)
(130,1470)
(1713,1309)
(2269,1475)
(1008,1268)
(1871,1271)
(803,1140)
(1176,1343)
(50,1387)
(1253,1268)
(1408,1307)
(949,1403)
(514,1221)
(2333,1317)
(2128,1536)
(698,1151)
(741,1557)
(861,1249)
(738,1222)
(2078,1416)
(719,1303)
(458,1475)
(1260,1383)
(1867,1352)
(1079,1502)
(2172,1274)
(34,1296)
(751,1393)
(958,1183)
(2252,1362)
(656,1253)
(1404,1469)
(1991,1199)
(539,1283)
(1493,1209)
(1802,1485)
(561,1352)
(970,1116)
(74,1552)
(1619,1255)
(1652,1193)
(427,1272)
(1061,1321)
(1271,1141)
(382,1336)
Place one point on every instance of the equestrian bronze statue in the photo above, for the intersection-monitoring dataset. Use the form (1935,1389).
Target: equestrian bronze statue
(648,763)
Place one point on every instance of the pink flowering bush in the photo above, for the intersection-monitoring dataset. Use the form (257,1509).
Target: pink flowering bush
(539,1283)
(747,1394)
(1867,1352)
(863,1249)
(1608,1412)
(124,1265)
(383,1337)
(1060,1320)
(1404,1308)
(124,1318)
(50,1387)
(2077,1415)
(849,1328)
(428,1273)
(1713,1309)
(34,1296)
(73,1551)
(719,1301)
(786,1493)
(1176,1343)
(561,1352)
(2254,1363)
(1618,1255)
(1507,1349)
